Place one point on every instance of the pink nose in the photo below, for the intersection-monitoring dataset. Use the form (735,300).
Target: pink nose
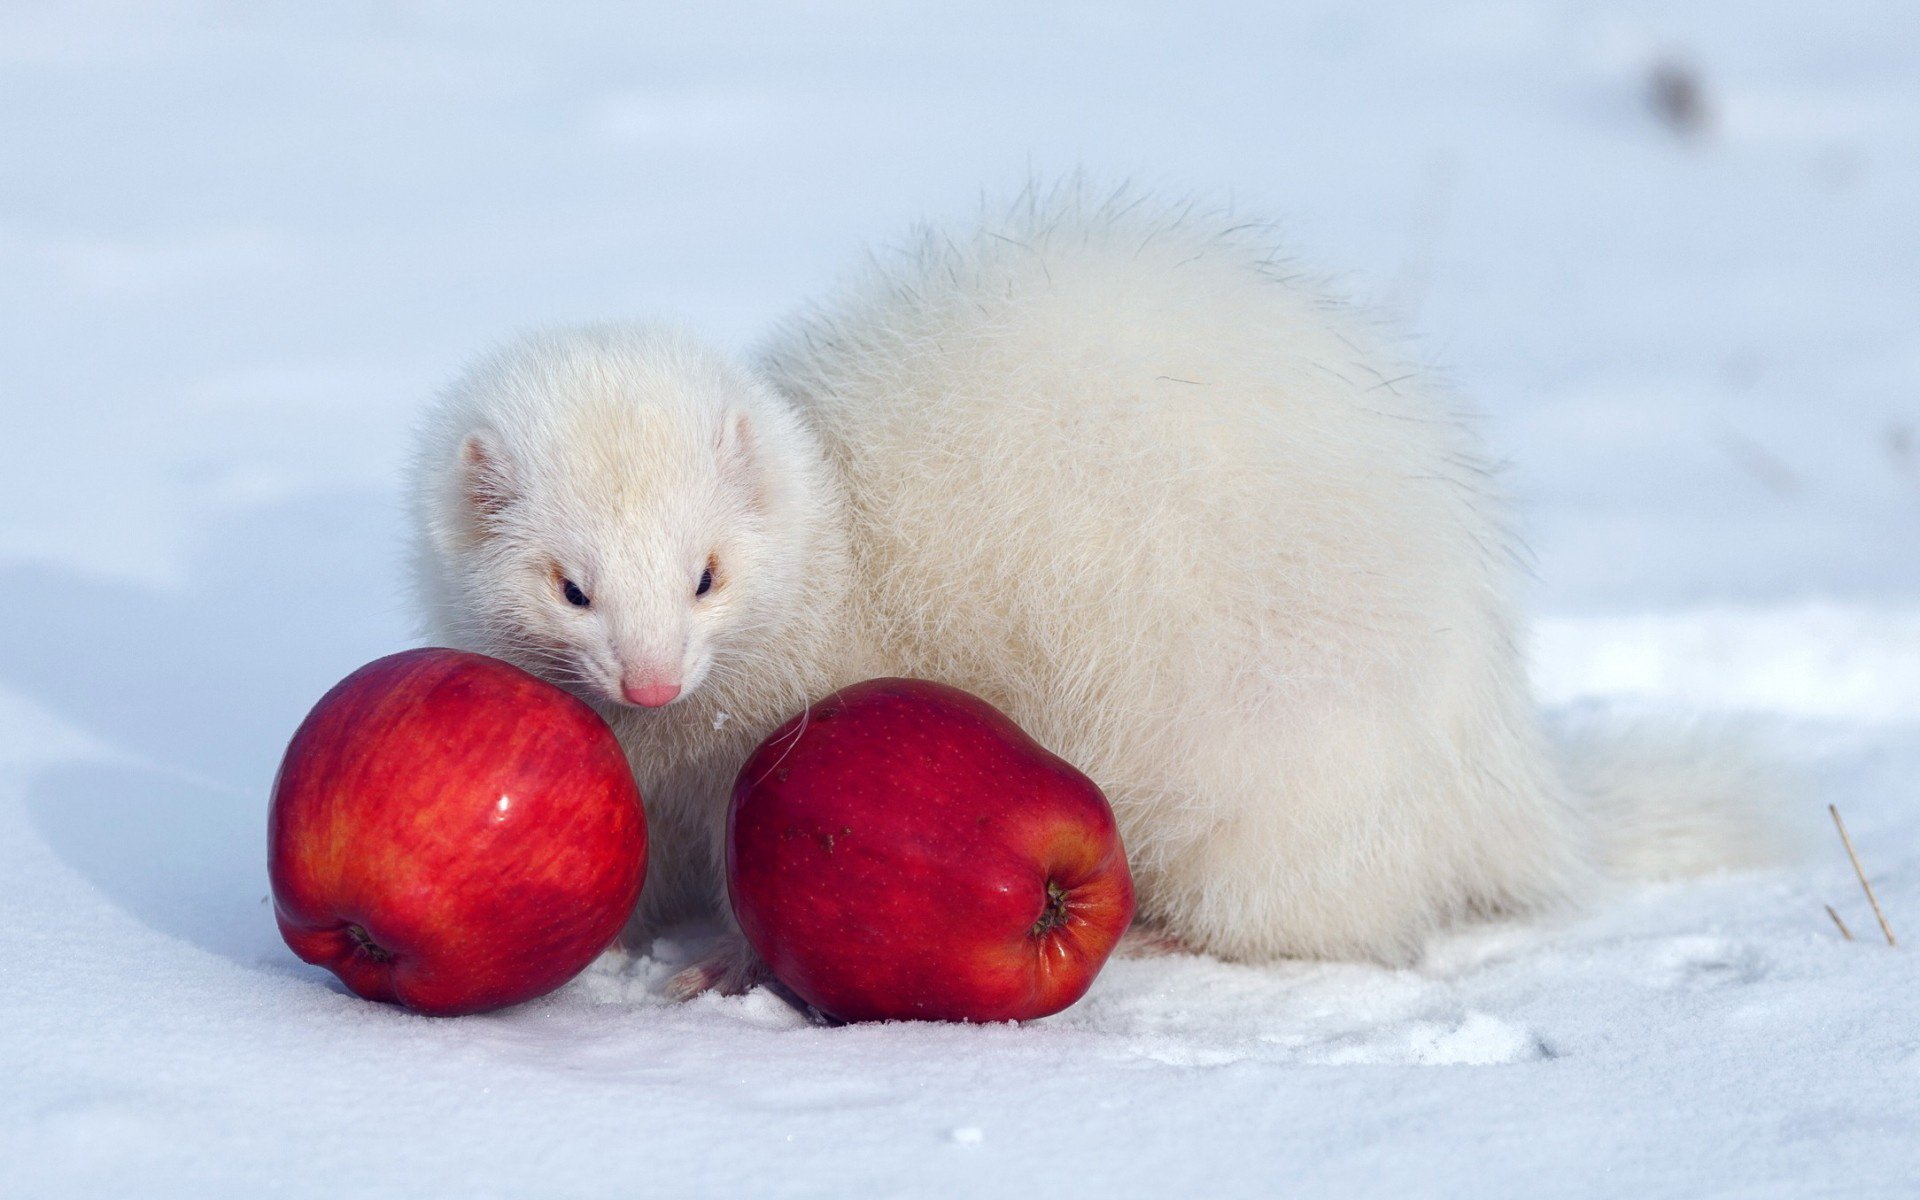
(649,695)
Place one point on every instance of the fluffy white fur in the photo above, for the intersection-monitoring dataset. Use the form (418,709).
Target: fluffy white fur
(1181,515)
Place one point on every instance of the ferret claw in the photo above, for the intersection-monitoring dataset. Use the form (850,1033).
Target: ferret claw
(730,969)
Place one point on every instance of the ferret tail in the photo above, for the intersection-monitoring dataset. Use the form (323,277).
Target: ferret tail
(1671,803)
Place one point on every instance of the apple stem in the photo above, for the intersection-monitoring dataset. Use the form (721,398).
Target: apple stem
(1054,915)
(367,946)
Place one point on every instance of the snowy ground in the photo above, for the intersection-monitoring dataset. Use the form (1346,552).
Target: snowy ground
(240,243)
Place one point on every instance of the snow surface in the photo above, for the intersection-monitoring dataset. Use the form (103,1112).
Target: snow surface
(240,243)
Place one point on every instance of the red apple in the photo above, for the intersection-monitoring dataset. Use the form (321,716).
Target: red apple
(452,834)
(902,850)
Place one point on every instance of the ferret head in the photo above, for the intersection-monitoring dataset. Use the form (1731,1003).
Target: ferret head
(612,509)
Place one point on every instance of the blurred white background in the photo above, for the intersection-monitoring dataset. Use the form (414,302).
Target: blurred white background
(1670,248)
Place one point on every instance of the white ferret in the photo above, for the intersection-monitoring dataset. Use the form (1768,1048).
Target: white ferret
(1175,511)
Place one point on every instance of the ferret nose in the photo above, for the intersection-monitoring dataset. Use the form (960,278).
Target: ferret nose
(649,693)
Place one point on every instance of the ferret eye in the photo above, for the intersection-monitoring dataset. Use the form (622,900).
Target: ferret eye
(574,595)
(706,582)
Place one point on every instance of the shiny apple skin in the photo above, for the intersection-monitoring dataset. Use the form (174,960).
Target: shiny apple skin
(890,854)
(479,826)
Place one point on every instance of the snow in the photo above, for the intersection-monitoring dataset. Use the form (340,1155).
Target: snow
(240,243)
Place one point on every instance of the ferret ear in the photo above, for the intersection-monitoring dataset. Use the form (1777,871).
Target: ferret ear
(486,484)
(738,451)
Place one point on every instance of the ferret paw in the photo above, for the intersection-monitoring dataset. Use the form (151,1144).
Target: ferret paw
(1142,941)
(731,968)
